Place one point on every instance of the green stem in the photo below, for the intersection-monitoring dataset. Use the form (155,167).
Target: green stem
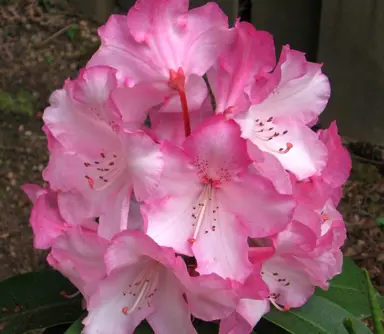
(348,324)
(375,307)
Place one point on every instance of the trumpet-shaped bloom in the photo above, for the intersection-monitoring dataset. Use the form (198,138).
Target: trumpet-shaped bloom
(283,103)
(208,203)
(146,281)
(158,38)
(106,162)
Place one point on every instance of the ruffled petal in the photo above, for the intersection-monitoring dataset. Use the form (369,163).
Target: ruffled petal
(297,89)
(251,52)
(78,254)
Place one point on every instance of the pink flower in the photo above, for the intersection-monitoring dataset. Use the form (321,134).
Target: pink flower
(107,162)
(146,281)
(207,202)
(79,255)
(163,45)
(158,38)
(292,263)
(46,218)
(283,102)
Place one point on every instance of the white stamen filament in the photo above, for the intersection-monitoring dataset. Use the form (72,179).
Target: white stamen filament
(205,197)
(143,290)
(144,287)
(276,305)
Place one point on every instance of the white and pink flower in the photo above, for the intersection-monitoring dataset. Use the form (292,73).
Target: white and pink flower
(231,178)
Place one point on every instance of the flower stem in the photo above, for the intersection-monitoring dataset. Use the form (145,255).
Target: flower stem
(184,105)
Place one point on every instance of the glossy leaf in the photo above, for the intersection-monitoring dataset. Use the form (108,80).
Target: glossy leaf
(318,316)
(76,327)
(33,300)
(349,290)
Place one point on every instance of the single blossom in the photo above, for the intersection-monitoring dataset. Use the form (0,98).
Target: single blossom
(163,42)
(167,47)
(146,281)
(106,161)
(272,108)
(207,202)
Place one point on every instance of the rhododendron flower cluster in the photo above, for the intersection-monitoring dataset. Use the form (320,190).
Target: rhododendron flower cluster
(223,207)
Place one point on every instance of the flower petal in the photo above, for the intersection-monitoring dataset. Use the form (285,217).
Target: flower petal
(78,254)
(116,217)
(217,150)
(271,168)
(130,247)
(295,145)
(170,126)
(256,202)
(145,163)
(250,53)
(210,297)
(339,162)
(46,221)
(170,221)
(298,89)
(135,102)
(33,191)
(295,239)
(221,246)
(172,313)
(119,50)
(288,282)
(109,301)
(245,318)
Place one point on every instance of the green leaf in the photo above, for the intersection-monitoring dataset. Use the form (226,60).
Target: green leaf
(375,307)
(349,290)
(318,316)
(349,326)
(76,327)
(143,328)
(380,222)
(72,32)
(32,301)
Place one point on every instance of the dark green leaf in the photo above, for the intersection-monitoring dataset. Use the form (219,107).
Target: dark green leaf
(76,327)
(33,300)
(349,290)
(59,329)
(143,328)
(318,316)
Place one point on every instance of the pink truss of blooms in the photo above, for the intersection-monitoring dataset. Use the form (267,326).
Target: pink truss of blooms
(224,206)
